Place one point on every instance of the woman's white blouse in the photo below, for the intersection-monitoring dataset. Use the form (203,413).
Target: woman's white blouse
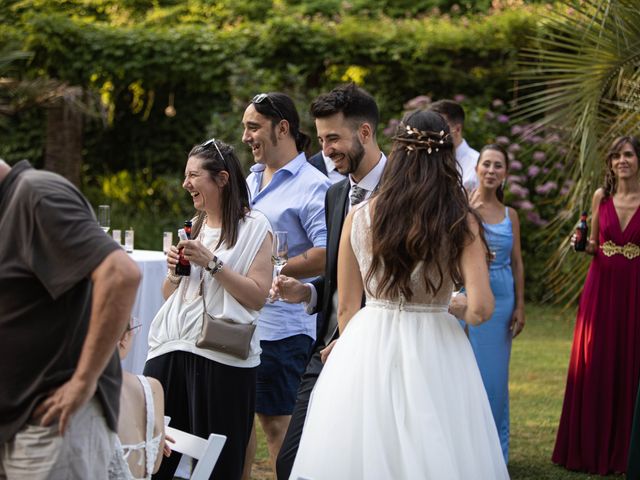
(178,323)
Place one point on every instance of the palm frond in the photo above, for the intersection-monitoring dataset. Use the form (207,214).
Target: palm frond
(581,78)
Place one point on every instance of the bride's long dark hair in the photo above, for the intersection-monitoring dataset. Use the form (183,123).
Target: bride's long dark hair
(420,210)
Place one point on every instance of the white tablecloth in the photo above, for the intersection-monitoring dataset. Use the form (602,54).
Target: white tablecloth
(153,266)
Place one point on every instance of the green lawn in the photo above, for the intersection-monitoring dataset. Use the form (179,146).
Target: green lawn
(538,372)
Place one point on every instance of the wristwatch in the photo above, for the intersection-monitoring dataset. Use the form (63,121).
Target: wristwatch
(214,265)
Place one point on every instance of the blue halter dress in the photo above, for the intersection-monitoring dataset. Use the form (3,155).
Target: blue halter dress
(491,341)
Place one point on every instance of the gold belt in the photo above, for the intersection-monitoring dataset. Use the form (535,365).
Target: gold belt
(629,250)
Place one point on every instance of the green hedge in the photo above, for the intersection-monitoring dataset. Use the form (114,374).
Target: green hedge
(211,70)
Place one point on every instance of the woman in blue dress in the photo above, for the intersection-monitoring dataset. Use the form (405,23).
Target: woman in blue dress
(491,341)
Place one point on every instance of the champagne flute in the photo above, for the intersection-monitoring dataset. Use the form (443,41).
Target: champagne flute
(104,217)
(280,252)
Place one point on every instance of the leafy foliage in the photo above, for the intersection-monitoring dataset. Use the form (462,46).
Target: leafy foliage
(147,203)
(582,79)
(170,73)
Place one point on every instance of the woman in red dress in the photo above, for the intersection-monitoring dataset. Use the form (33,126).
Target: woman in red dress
(602,381)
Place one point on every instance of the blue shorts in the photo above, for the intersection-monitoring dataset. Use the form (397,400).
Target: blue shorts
(282,364)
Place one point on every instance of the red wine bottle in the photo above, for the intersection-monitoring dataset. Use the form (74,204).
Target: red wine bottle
(183,267)
(582,233)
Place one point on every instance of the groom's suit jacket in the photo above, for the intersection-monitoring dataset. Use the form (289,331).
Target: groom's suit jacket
(335,208)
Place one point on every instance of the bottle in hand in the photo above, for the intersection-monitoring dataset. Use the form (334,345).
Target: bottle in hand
(581,233)
(183,267)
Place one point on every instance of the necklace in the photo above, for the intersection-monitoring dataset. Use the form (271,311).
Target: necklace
(215,234)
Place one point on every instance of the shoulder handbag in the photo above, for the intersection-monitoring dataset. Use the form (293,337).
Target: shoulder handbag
(225,335)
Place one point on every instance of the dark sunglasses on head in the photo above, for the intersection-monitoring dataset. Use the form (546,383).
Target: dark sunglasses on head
(261,97)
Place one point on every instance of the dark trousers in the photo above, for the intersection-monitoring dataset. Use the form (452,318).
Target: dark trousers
(202,397)
(289,449)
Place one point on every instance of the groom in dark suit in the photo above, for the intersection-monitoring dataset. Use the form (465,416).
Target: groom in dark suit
(346,121)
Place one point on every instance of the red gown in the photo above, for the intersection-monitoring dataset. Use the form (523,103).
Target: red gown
(597,414)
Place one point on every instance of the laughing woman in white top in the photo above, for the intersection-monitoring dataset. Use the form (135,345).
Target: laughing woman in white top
(207,391)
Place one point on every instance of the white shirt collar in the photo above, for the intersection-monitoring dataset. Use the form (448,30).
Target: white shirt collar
(370,181)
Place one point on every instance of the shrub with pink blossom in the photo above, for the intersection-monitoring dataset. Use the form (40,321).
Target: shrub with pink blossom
(538,179)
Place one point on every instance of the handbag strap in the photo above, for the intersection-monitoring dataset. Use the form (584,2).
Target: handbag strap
(204,303)
(201,287)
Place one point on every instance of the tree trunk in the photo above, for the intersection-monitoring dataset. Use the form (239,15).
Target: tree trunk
(63,145)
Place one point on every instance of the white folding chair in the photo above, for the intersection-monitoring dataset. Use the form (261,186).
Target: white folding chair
(205,451)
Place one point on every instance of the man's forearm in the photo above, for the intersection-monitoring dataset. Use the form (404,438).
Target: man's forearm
(115,283)
(308,264)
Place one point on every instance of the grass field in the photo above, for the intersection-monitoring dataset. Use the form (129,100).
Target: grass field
(538,373)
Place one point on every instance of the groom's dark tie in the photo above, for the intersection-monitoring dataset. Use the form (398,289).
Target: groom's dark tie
(357,194)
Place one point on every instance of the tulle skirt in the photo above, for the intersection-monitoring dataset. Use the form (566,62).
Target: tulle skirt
(400,398)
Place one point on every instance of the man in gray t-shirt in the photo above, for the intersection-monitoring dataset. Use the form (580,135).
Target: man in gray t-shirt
(66,293)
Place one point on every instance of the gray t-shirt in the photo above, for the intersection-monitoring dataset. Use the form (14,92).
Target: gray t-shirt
(51,243)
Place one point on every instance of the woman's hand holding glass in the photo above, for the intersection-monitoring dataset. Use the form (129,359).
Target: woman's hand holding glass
(458,305)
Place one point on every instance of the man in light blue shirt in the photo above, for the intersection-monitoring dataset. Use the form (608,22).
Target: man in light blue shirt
(290,192)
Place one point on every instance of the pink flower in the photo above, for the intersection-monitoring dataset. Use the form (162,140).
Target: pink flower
(515,147)
(516,179)
(390,130)
(524,205)
(558,166)
(489,115)
(533,171)
(536,139)
(517,130)
(502,140)
(420,101)
(518,190)
(459,98)
(539,156)
(502,118)
(553,138)
(564,190)
(497,103)
(546,188)
(515,165)
(534,218)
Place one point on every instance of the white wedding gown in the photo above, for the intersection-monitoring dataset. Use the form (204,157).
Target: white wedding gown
(401,395)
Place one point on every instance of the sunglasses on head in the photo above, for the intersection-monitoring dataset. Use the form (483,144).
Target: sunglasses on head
(262,97)
(215,144)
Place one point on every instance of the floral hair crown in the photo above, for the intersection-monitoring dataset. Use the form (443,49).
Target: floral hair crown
(414,139)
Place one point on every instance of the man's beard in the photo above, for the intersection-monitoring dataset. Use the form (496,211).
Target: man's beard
(354,156)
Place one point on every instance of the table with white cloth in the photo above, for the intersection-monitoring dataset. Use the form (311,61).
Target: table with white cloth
(153,266)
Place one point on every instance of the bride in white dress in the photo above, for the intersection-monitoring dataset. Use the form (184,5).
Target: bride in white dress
(400,396)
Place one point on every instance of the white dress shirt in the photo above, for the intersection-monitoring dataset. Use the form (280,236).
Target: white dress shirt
(467,159)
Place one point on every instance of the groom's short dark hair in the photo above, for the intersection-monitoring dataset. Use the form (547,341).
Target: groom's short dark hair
(356,104)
